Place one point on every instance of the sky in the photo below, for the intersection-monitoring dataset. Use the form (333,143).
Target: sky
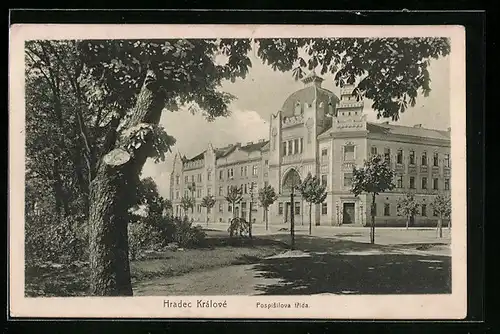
(261,94)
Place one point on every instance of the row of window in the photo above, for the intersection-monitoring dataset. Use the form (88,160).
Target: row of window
(399,182)
(244,170)
(246,188)
(230,174)
(293,146)
(198,178)
(422,210)
(347,152)
(296,208)
(411,157)
(324,209)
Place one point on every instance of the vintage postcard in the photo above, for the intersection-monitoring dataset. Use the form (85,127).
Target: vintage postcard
(237,171)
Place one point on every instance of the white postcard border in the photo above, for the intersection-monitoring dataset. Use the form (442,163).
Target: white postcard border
(451,306)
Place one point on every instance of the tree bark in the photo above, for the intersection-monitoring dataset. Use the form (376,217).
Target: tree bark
(310,218)
(111,196)
(265,217)
(407,222)
(372,228)
(440,227)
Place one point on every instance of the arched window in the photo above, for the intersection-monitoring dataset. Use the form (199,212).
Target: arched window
(291,179)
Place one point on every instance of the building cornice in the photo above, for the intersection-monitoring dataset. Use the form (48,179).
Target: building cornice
(343,134)
(408,139)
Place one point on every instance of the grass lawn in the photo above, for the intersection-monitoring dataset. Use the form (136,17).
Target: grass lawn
(71,280)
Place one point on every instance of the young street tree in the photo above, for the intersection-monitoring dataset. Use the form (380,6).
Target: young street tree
(267,196)
(407,207)
(186,203)
(234,196)
(373,178)
(313,192)
(192,188)
(442,206)
(208,202)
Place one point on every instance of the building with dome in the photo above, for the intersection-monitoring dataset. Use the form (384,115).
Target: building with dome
(319,133)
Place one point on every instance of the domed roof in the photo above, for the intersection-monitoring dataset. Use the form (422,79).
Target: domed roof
(312,91)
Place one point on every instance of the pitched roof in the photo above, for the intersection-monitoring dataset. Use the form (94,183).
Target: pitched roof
(407,131)
(197,157)
(224,151)
(254,146)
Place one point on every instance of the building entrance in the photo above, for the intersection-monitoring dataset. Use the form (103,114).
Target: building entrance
(348,214)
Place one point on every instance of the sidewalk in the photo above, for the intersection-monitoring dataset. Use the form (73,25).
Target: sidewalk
(383,235)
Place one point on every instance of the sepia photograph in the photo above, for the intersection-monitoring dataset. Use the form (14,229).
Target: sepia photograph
(238,171)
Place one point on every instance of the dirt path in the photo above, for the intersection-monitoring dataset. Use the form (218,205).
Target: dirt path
(246,279)
(233,280)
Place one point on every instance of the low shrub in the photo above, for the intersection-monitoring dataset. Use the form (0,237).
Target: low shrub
(238,226)
(64,241)
(187,235)
(157,233)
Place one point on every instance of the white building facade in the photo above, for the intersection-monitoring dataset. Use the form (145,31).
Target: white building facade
(319,133)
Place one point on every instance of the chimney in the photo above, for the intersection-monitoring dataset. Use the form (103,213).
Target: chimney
(417,126)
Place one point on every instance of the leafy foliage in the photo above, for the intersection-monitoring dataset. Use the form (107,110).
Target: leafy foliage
(267,196)
(186,69)
(187,235)
(374,177)
(407,206)
(158,233)
(238,226)
(442,205)
(312,190)
(234,195)
(48,241)
(187,203)
(208,202)
(389,71)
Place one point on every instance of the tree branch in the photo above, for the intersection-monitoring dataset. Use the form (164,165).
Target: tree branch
(81,124)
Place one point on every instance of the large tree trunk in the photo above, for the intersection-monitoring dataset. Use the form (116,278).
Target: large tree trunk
(112,194)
